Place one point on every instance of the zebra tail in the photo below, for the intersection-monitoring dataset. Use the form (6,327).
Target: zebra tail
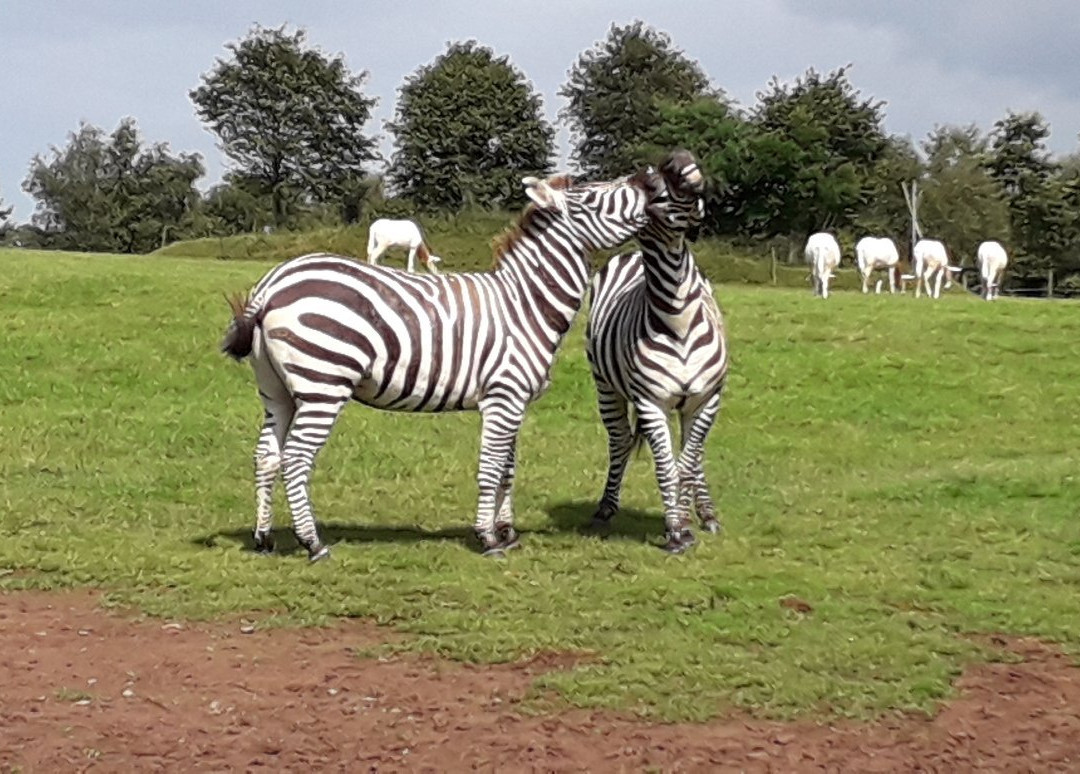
(241,331)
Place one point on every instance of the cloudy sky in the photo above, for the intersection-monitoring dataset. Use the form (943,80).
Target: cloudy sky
(932,61)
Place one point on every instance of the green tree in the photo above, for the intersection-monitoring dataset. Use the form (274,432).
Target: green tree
(467,127)
(831,141)
(109,193)
(884,211)
(962,204)
(237,206)
(5,213)
(1034,190)
(615,92)
(289,117)
(719,137)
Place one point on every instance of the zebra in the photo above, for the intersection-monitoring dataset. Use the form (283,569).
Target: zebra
(323,329)
(656,344)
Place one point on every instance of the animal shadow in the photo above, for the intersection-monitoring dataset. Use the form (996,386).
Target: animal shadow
(627,524)
(337,532)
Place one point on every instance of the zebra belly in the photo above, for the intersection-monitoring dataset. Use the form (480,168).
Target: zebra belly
(395,396)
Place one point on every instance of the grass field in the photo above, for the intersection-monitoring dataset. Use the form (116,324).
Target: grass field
(907,468)
(464,243)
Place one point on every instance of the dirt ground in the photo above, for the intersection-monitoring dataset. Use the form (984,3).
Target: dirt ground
(84,689)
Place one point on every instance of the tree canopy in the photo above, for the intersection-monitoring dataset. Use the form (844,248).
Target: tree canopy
(109,193)
(615,91)
(833,140)
(962,204)
(289,117)
(5,213)
(1040,193)
(806,158)
(468,126)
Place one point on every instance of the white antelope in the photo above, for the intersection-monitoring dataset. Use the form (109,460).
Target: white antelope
(992,260)
(876,253)
(385,233)
(823,254)
(930,263)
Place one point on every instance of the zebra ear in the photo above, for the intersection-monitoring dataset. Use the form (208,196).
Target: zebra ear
(543,195)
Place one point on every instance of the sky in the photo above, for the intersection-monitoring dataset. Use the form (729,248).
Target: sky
(933,62)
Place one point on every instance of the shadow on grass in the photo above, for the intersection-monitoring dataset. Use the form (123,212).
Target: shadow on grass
(334,532)
(627,524)
(568,517)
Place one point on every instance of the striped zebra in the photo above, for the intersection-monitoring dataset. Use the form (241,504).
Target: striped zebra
(321,330)
(656,344)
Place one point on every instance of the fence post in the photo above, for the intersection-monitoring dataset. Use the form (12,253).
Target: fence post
(772,264)
(1050,284)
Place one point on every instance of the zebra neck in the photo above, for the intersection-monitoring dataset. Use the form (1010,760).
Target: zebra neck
(546,281)
(671,286)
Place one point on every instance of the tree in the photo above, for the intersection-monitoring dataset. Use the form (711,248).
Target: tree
(832,141)
(237,206)
(718,136)
(109,193)
(615,92)
(962,204)
(1020,162)
(5,213)
(885,210)
(289,117)
(467,127)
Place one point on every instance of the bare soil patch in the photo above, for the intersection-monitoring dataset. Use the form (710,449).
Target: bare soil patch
(85,689)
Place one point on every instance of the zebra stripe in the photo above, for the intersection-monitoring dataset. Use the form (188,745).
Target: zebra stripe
(322,330)
(656,345)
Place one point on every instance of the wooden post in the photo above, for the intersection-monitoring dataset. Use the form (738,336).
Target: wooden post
(911,198)
(772,264)
(1050,284)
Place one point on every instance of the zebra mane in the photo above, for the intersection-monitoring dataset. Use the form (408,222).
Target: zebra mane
(504,242)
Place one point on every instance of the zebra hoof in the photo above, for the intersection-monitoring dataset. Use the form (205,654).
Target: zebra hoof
(264,542)
(601,520)
(318,552)
(711,525)
(507,537)
(679,542)
(495,552)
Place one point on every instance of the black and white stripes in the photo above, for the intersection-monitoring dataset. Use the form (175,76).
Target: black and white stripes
(322,330)
(656,344)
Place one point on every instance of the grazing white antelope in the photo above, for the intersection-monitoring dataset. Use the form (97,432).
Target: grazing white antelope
(385,233)
(876,253)
(823,254)
(992,260)
(930,263)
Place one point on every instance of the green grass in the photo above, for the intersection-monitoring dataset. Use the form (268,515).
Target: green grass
(906,467)
(464,243)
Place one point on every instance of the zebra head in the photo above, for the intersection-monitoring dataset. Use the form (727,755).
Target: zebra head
(602,214)
(678,210)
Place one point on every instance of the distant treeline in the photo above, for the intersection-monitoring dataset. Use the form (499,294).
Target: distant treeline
(809,155)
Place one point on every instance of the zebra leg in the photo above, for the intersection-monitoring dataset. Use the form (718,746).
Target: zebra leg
(615,416)
(504,506)
(696,427)
(310,429)
(501,419)
(276,424)
(652,423)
